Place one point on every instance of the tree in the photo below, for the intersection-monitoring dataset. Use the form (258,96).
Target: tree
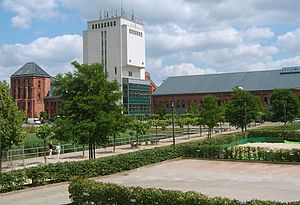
(138,128)
(43,132)
(11,130)
(210,112)
(188,120)
(163,111)
(285,105)
(242,108)
(88,105)
(119,124)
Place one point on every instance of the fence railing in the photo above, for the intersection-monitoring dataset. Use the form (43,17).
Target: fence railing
(25,153)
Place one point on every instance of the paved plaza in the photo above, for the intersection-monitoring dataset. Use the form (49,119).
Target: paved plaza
(239,180)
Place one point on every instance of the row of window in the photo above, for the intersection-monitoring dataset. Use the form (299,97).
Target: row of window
(139,107)
(29,82)
(103,24)
(134,32)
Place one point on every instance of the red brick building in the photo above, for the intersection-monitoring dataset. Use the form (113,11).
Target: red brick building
(29,85)
(153,86)
(183,90)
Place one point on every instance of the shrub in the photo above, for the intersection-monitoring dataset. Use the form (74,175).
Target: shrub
(83,191)
(289,135)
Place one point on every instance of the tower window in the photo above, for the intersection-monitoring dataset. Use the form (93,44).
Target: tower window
(93,26)
(130,73)
(114,23)
(116,70)
(101,25)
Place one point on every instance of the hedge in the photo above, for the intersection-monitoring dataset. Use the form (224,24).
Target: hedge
(83,191)
(289,135)
(212,148)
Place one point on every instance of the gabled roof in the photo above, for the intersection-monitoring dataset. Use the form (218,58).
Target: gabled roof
(30,69)
(225,82)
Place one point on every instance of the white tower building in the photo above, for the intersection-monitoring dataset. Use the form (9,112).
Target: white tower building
(119,44)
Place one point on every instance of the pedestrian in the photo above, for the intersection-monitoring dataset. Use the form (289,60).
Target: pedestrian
(50,148)
(58,148)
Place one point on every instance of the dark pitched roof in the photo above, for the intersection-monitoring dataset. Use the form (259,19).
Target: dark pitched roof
(225,82)
(30,69)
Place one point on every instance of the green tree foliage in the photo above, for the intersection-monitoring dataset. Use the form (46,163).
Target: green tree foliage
(119,124)
(11,131)
(188,120)
(210,112)
(139,128)
(89,103)
(285,105)
(242,109)
(163,111)
(43,132)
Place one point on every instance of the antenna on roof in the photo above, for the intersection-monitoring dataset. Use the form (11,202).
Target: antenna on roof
(122,11)
(100,15)
(132,11)
(107,12)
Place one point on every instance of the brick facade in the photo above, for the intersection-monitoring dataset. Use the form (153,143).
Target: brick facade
(28,92)
(182,101)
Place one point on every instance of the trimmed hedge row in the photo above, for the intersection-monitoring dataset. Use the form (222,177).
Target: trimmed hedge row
(83,191)
(289,135)
(242,153)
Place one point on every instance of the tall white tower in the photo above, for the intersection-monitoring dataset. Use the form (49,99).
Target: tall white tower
(117,43)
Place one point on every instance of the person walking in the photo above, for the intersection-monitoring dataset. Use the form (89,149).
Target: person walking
(50,148)
(58,148)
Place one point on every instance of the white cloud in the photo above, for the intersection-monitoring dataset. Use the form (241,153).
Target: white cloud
(235,57)
(180,70)
(255,33)
(275,64)
(290,41)
(29,9)
(53,54)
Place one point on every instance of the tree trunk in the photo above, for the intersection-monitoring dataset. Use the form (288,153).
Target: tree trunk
(188,131)
(0,158)
(137,140)
(83,149)
(45,151)
(90,150)
(156,135)
(200,130)
(94,150)
(114,146)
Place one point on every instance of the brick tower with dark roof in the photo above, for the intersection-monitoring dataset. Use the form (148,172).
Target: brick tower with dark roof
(29,85)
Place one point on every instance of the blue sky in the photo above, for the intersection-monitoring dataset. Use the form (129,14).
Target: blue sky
(183,37)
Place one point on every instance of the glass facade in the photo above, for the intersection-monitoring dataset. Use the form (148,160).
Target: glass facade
(136,96)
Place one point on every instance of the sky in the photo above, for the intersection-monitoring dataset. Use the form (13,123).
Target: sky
(183,37)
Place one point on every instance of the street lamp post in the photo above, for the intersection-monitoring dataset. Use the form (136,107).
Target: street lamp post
(0,137)
(284,112)
(172,105)
(245,105)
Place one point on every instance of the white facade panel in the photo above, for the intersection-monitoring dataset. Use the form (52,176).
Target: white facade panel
(119,44)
